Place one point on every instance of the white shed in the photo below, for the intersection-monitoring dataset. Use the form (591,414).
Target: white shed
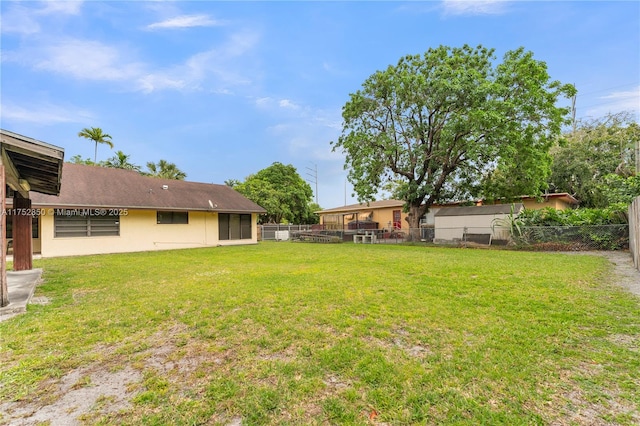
(481,224)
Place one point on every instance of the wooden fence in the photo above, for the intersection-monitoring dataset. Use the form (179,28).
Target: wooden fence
(634,232)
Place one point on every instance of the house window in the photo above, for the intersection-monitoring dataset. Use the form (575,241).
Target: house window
(86,223)
(164,218)
(35,224)
(234,226)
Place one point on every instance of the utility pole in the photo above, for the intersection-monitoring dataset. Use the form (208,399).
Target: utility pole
(573,111)
(313,174)
(345,192)
(638,157)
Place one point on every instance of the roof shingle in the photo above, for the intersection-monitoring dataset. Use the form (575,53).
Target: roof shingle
(93,186)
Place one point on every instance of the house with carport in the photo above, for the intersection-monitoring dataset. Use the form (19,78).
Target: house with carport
(106,210)
(384,214)
(388,215)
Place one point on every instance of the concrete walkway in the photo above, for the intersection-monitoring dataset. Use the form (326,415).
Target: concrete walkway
(21,286)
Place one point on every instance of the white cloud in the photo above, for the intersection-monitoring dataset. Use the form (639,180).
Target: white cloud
(214,70)
(19,20)
(217,70)
(474,7)
(271,103)
(61,7)
(628,100)
(83,59)
(263,102)
(45,113)
(286,103)
(185,21)
(152,82)
(24,20)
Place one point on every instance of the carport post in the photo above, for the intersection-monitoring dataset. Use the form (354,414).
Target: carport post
(22,244)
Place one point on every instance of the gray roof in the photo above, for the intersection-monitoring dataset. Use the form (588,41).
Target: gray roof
(94,186)
(480,210)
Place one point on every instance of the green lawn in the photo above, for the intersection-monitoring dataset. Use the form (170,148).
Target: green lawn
(294,333)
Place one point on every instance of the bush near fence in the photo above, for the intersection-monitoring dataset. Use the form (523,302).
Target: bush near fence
(573,238)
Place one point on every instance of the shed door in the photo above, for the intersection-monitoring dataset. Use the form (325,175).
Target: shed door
(397,219)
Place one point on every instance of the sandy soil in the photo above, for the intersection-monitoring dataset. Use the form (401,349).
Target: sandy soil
(625,274)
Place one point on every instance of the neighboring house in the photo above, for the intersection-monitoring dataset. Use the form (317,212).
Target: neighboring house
(388,214)
(106,210)
(481,224)
(559,201)
(385,214)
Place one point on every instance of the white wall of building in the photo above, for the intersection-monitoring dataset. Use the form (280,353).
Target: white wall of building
(139,231)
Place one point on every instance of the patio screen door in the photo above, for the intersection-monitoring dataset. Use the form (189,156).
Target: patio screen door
(397,219)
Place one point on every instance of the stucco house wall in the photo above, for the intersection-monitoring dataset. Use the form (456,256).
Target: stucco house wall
(139,231)
(384,217)
(138,199)
(556,203)
(381,212)
(559,201)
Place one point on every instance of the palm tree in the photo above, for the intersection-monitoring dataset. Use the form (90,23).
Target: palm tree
(121,161)
(166,170)
(96,135)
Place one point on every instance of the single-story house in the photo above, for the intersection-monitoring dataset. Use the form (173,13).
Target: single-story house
(385,214)
(106,210)
(481,224)
(388,214)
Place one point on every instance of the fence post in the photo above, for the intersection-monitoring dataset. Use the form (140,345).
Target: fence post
(634,232)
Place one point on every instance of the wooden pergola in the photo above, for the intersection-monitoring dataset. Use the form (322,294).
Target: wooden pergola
(26,165)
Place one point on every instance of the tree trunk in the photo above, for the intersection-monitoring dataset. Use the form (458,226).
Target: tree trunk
(416,211)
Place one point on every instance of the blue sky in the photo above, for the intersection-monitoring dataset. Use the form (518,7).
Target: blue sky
(224,89)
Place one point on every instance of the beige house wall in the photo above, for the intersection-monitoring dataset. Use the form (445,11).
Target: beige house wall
(555,203)
(139,231)
(384,217)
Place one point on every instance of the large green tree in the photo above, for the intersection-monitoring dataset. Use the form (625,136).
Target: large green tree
(97,136)
(598,147)
(281,191)
(164,169)
(440,123)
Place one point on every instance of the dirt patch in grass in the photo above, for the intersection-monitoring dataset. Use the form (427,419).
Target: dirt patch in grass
(625,274)
(576,407)
(78,393)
